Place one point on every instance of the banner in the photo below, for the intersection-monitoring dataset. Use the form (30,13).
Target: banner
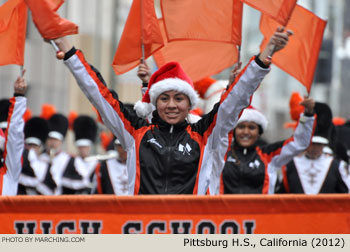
(226,214)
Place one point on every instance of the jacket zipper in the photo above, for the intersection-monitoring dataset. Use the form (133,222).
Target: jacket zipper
(168,160)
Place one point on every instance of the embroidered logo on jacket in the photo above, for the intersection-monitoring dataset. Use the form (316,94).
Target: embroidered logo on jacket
(254,165)
(154,141)
(185,149)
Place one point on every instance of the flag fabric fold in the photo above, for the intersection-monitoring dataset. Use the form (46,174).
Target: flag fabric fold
(198,58)
(141,28)
(299,58)
(209,20)
(13,25)
(202,35)
(279,10)
(48,22)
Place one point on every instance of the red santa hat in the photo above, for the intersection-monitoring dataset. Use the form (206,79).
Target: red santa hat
(170,77)
(2,140)
(250,114)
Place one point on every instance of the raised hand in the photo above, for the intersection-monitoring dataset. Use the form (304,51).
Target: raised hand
(20,86)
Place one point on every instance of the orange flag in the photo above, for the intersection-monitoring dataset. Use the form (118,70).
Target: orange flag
(299,58)
(55,4)
(279,10)
(218,20)
(202,35)
(198,58)
(48,22)
(13,25)
(141,27)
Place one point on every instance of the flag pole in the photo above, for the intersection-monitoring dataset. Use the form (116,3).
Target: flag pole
(142,35)
(22,70)
(59,53)
(239,54)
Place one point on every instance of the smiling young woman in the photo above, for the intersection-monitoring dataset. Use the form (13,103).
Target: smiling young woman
(252,169)
(169,153)
(173,107)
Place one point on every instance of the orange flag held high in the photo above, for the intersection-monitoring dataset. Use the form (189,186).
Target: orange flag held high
(141,27)
(55,4)
(279,10)
(299,58)
(13,25)
(48,22)
(219,20)
(198,58)
(202,35)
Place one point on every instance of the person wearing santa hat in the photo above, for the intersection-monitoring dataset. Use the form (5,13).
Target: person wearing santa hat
(12,140)
(170,155)
(252,169)
(315,171)
(78,176)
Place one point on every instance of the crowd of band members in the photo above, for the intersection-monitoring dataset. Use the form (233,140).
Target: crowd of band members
(221,151)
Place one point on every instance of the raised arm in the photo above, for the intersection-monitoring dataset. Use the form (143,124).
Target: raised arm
(14,135)
(301,137)
(119,120)
(237,97)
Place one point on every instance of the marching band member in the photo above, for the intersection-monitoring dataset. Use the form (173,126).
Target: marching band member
(12,140)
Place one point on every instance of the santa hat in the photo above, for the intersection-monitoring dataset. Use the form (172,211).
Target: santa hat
(202,85)
(250,114)
(85,130)
(4,111)
(36,131)
(58,126)
(170,77)
(323,124)
(2,140)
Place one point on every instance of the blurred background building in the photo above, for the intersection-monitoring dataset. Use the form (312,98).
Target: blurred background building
(101,23)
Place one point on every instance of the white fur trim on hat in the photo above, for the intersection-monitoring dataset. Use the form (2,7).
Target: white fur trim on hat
(253,115)
(144,109)
(192,118)
(319,140)
(173,84)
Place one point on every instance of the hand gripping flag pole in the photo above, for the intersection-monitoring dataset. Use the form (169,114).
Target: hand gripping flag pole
(59,53)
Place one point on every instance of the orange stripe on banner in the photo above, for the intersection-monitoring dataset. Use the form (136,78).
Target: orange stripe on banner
(264,214)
